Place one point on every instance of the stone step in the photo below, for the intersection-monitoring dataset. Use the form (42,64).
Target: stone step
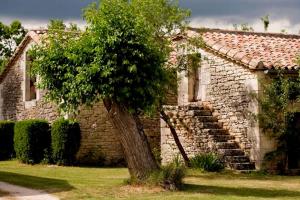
(200,113)
(227,145)
(212,125)
(196,116)
(191,107)
(217,132)
(231,152)
(206,119)
(237,159)
(221,138)
(242,166)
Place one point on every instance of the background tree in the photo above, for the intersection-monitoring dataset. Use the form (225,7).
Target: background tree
(119,59)
(266,21)
(10,37)
(278,105)
(243,27)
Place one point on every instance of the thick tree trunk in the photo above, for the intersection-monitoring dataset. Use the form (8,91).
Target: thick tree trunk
(165,117)
(138,155)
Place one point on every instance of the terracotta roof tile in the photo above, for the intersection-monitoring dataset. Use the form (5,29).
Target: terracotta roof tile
(253,49)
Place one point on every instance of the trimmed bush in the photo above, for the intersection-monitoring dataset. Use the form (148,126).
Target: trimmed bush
(65,135)
(207,162)
(6,140)
(32,140)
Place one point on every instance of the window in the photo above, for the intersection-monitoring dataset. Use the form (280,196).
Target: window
(30,82)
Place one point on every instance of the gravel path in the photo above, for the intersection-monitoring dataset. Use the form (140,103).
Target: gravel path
(18,193)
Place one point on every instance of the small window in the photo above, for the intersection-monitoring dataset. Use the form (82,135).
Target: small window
(30,82)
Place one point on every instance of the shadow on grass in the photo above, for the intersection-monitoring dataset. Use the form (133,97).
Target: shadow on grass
(239,191)
(238,176)
(34,182)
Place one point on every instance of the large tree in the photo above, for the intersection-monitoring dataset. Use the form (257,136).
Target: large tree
(10,37)
(120,58)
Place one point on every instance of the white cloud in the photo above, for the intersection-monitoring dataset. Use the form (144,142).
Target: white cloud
(275,25)
(208,22)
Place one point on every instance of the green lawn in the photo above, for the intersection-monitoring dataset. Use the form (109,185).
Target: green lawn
(108,183)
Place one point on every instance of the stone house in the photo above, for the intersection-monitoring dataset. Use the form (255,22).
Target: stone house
(214,103)
(211,111)
(19,100)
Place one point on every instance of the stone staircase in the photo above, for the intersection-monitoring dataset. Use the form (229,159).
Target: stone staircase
(199,121)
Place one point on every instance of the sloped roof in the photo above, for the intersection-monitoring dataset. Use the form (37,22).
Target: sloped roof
(253,49)
(31,35)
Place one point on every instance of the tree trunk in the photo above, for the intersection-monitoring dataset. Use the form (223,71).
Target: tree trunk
(175,136)
(138,155)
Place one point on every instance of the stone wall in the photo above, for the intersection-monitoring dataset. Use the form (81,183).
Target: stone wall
(100,141)
(227,89)
(193,138)
(14,106)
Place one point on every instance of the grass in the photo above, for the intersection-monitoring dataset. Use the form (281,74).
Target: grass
(108,183)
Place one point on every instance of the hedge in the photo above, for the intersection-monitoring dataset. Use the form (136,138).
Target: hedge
(65,137)
(6,139)
(32,140)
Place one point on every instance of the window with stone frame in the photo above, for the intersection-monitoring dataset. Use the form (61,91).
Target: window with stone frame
(30,82)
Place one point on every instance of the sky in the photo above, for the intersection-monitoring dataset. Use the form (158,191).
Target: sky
(284,14)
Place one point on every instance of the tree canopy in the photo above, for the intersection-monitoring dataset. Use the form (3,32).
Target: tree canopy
(10,37)
(120,58)
(121,55)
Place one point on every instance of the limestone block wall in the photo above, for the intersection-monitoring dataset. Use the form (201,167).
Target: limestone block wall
(14,106)
(227,88)
(193,138)
(99,138)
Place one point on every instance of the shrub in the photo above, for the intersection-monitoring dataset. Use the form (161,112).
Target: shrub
(65,135)
(31,140)
(6,139)
(170,176)
(208,162)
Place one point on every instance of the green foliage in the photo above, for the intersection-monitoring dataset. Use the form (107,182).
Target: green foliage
(277,113)
(266,21)
(207,162)
(276,104)
(157,155)
(169,176)
(10,37)
(57,24)
(65,141)
(243,27)
(32,140)
(6,139)
(121,55)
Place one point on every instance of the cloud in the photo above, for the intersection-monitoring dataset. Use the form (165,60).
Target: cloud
(209,13)
(226,23)
(241,10)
